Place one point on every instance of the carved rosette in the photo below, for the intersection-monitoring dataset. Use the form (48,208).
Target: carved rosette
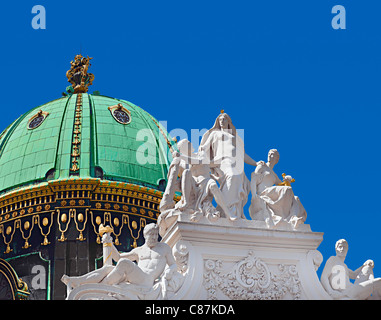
(181,254)
(250,279)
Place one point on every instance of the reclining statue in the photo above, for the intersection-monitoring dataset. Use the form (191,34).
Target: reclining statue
(153,277)
(336,276)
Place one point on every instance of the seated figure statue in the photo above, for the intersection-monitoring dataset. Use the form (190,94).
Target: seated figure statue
(273,201)
(336,276)
(152,277)
(197,185)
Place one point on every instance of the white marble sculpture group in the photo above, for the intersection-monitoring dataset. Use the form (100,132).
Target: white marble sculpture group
(216,172)
(272,256)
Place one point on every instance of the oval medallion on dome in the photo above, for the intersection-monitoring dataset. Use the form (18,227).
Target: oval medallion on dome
(36,120)
(120,114)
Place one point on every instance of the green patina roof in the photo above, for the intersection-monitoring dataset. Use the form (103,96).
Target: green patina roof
(33,155)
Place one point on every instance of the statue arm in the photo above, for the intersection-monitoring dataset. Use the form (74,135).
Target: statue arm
(132,255)
(198,160)
(353,274)
(277,180)
(189,159)
(249,160)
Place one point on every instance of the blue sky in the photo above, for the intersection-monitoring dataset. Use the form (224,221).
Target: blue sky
(277,68)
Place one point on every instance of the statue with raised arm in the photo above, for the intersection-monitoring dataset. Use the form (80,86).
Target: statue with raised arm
(273,201)
(152,277)
(336,276)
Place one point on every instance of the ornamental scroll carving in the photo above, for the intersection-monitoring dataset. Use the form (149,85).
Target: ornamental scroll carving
(251,279)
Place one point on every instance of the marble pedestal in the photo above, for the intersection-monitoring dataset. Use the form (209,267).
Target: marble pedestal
(245,260)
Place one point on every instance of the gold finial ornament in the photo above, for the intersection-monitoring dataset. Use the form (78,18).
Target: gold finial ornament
(222,111)
(78,76)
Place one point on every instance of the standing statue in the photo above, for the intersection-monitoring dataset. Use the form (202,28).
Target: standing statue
(335,277)
(222,145)
(154,275)
(273,201)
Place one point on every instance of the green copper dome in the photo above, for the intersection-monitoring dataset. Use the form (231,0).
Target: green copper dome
(84,135)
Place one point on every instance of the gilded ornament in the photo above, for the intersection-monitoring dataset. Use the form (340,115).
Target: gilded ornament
(34,201)
(78,76)
(77,132)
(45,222)
(287,180)
(46,242)
(26,244)
(75,153)
(81,238)
(64,218)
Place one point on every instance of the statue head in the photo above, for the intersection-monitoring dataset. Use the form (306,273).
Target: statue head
(273,156)
(341,248)
(151,234)
(223,122)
